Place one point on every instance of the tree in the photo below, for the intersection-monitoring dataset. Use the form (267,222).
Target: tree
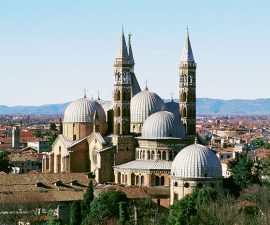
(87,199)
(75,213)
(105,207)
(123,214)
(38,133)
(223,211)
(53,126)
(183,211)
(4,162)
(242,173)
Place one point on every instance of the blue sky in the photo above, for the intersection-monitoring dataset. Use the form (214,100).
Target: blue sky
(50,50)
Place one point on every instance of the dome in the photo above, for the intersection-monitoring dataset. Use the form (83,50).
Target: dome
(143,105)
(82,110)
(162,125)
(196,161)
(173,107)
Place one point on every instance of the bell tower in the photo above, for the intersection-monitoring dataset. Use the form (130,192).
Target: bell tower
(123,66)
(187,94)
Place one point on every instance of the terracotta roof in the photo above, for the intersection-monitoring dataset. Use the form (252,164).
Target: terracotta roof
(41,187)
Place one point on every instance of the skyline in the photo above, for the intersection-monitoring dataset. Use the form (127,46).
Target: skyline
(47,47)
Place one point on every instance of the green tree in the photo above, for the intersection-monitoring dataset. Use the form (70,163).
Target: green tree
(87,199)
(38,133)
(183,211)
(53,126)
(75,217)
(259,142)
(4,162)
(105,207)
(123,214)
(242,173)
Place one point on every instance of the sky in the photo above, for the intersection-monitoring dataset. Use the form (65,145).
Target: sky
(51,50)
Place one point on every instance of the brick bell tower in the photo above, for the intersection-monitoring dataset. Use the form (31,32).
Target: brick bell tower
(123,66)
(187,94)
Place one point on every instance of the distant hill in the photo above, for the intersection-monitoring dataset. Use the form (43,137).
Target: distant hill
(233,107)
(204,106)
(34,110)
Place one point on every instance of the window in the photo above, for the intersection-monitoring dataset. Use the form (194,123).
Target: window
(175,184)
(200,185)
(186,185)
(162,181)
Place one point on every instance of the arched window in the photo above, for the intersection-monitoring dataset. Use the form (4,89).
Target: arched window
(163,155)
(118,95)
(147,155)
(142,180)
(184,96)
(143,155)
(118,111)
(137,178)
(175,184)
(157,181)
(184,112)
(162,181)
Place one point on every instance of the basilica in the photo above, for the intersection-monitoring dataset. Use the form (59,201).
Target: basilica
(137,138)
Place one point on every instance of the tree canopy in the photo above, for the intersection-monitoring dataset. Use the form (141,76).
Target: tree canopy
(4,162)
(105,206)
(183,211)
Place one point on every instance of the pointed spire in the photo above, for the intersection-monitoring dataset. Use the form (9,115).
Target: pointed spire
(122,51)
(84,92)
(130,53)
(146,85)
(187,55)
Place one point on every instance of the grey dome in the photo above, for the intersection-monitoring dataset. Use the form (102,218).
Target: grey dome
(173,107)
(82,110)
(106,105)
(163,125)
(196,161)
(143,105)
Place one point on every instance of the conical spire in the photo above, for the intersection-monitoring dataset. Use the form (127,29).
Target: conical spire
(187,55)
(122,48)
(130,53)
